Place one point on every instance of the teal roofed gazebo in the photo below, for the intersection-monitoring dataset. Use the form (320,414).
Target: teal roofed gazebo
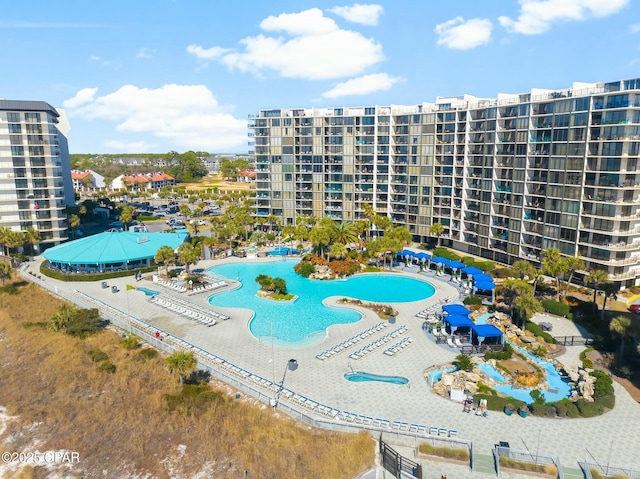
(111,250)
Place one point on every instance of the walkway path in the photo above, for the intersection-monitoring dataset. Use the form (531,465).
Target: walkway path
(323,381)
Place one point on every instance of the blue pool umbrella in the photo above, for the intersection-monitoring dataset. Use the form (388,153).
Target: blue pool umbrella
(406,252)
(458,321)
(422,255)
(472,270)
(456,264)
(455,309)
(437,260)
(483,331)
(482,278)
(484,285)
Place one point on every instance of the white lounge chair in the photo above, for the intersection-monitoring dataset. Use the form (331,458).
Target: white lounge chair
(450,342)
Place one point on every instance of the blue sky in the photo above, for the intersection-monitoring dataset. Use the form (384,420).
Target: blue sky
(158,75)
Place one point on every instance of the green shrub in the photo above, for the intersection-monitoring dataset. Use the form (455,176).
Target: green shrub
(603,385)
(607,402)
(130,342)
(443,451)
(584,353)
(70,277)
(506,353)
(147,353)
(193,399)
(557,308)
(485,265)
(472,300)
(538,332)
(445,253)
(589,409)
(97,355)
(484,389)
(83,323)
(566,408)
(497,403)
(464,362)
(468,260)
(8,289)
(304,269)
(173,273)
(106,367)
(538,397)
(587,363)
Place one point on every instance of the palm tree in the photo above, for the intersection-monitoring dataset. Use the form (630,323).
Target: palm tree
(368,211)
(165,256)
(73,222)
(596,277)
(320,237)
(621,326)
(62,317)
(4,235)
(337,250)
(5,272)
(523,269)
(610,291)
(14,240)
(32,237)
(554,265)
(573,264)
(525,307)
(344,233)
(436,230)
(187,255)
(181,363)
(126,216)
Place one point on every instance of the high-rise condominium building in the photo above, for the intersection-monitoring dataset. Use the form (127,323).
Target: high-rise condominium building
(507,177)
(35,176)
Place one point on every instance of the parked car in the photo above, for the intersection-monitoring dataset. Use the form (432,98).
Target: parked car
(635,308)
(160,216)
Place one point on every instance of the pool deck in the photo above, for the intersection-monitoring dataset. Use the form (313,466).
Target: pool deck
(612,437)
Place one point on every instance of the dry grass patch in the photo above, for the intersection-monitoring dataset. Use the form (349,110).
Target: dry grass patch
(121,423)
(457,453)
(545,469)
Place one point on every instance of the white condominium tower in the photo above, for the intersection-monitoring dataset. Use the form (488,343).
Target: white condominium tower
(35,176)
(507,177)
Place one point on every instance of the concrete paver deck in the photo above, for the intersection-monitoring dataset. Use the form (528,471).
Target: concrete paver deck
(612,437)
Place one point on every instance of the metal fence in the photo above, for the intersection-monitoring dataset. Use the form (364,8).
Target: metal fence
(397,464)
(608,470)
(527,457)
(170,344)
(573,340)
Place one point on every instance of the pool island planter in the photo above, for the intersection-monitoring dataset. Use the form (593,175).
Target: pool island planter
(523,411)
(508,409)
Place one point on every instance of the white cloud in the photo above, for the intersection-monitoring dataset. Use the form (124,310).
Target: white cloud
(145,53)
(206,53)
(94,58)
(187,116)
(316,49)
(83,96)
(357,13)
(464,35)
(635,28)
(362,85)
(307,22)
(538,16)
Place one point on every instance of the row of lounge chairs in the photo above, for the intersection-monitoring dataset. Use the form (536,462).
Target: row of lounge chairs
(207,287)
(362,352)
(399,346)
(176,285)
(430,310)
(351,341)
(195,307)
(294,398)
(182,310)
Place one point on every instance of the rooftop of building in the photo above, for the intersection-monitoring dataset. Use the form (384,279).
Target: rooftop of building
(27,105)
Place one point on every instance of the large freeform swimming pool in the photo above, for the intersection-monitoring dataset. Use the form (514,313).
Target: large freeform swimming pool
(305,320)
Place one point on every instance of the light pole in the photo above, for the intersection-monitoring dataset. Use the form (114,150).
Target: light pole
(292,365)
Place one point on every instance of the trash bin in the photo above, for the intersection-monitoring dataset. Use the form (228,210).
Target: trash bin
(114,289)
(104,285)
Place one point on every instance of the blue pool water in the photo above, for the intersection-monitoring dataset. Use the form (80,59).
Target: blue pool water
(305,320)
(148,292)
(558,388)
(492,372)
(282,251)
(361,376)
